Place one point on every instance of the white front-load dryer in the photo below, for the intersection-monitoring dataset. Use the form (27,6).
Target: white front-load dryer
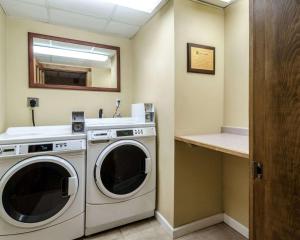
(42,188)
(121,176)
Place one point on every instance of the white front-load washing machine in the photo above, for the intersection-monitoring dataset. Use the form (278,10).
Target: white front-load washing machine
(121,173)
(42,184)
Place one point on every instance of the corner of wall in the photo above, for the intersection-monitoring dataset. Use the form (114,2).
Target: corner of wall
(236,88)
(198,109)
(154,66)
(3,74)
(236,107)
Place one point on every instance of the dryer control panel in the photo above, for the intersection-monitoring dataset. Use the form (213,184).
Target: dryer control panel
(44,147)
(99,135)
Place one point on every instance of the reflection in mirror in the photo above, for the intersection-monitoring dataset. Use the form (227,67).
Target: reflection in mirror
(71,64)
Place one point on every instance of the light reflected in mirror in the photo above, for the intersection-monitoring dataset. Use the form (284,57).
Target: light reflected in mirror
(71,64)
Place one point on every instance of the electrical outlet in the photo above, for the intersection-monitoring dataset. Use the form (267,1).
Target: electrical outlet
(29,99)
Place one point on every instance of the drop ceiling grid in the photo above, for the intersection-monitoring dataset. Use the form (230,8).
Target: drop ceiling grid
(93,15)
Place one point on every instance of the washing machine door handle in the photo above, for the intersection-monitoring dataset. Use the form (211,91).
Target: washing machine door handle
(69,186)
(72,186)
(148,165)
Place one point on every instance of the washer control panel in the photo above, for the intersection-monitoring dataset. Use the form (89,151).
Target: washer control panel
(44,147)
(102,135)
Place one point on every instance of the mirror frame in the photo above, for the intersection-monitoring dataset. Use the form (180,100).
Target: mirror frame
(32,84)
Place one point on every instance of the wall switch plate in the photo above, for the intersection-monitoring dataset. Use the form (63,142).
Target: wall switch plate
(35,99)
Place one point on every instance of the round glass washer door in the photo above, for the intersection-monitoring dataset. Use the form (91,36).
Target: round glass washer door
(122,169)
(36,191)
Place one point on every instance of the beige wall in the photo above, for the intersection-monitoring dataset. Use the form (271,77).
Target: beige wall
(236,188)
(153,49)
(236,111)
(198,109)
(56,105)
(198,184)
(199,97)
(236,100)
(2,69)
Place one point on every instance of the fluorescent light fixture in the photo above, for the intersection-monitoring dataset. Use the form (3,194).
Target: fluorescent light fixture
(227,1)
(140,5)
(69,53)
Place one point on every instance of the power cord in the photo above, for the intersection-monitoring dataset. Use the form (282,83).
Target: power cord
(118,103)
(32,116)
(33,104)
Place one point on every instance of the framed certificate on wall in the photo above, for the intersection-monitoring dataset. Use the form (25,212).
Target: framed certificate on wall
(201,59)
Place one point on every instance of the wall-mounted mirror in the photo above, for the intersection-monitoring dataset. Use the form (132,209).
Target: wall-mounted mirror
(61,63)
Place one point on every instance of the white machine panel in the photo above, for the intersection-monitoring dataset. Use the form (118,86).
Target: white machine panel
(44,147)
(100,135)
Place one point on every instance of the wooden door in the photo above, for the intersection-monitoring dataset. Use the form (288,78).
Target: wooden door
(275,119)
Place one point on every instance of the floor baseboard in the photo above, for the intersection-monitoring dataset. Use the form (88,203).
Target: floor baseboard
(236,226)
(188,228)
(164,223)
(201,224)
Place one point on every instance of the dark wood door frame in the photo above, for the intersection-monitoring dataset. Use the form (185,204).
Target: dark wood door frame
(251,224)
(275,119)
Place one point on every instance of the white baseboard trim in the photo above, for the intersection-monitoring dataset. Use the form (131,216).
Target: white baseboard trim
(201,224)
(236,226)
(188,228)
(164,223)
(197,225)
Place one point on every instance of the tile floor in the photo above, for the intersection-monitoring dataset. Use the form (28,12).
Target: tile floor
(151,230)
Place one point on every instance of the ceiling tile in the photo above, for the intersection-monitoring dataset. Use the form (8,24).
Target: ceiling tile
(96,8)
(77,20)
(122,29)
(22,9)
(130,16)
(36,2)
(94,15)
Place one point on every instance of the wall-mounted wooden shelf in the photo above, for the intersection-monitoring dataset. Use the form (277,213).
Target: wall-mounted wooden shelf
(233,144)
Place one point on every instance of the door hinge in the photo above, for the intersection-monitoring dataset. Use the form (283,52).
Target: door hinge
(257,170)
